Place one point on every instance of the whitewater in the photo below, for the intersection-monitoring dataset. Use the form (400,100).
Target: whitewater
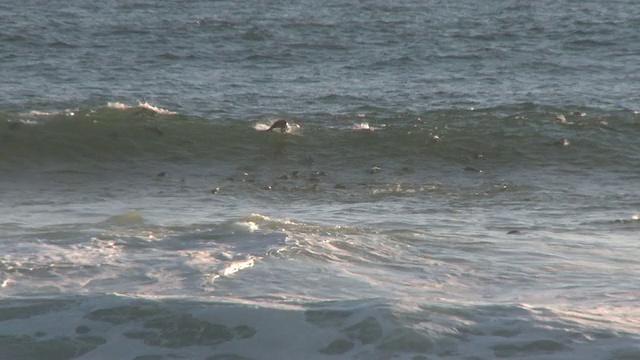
(457,181)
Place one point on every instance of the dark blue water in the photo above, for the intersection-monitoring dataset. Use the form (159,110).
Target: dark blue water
(222,59)
(457,180)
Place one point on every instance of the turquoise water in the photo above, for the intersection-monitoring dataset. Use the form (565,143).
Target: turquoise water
(457,180)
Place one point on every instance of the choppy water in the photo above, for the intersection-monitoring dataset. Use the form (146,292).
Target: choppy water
(458,181)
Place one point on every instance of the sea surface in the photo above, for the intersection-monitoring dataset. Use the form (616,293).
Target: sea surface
(458,180)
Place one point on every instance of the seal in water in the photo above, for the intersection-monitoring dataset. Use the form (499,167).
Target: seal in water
(282,124)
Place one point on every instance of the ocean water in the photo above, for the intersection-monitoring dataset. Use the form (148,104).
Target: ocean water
(458,180)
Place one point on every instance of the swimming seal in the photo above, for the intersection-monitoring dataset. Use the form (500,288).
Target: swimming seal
(281,124)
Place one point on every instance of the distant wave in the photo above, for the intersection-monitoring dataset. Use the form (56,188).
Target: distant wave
(477,139)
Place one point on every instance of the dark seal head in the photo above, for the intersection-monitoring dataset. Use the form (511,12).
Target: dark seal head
(281,124)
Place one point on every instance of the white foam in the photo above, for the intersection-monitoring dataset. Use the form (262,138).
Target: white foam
(362,126)
(42,113)
(248,225)
(26,122)
(118,106)
(146,105)
(64,268)
(236,266)
(38,113)
(143,105)
(255,217)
